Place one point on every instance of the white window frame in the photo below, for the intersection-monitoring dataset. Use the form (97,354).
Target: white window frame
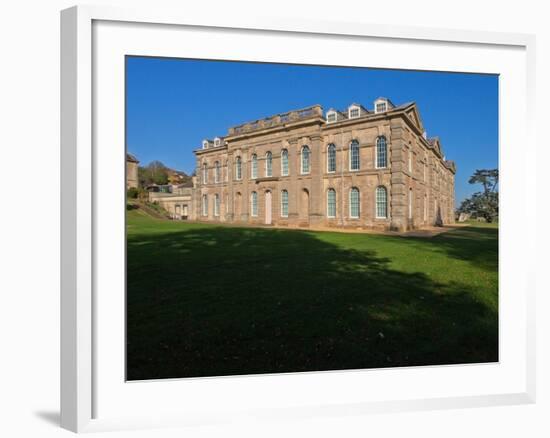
(238,168)
(353,108)
(332,113)
(328,158)
(204,205)
(410,203)
(205,144)
(217,141)
(354,142)
(351,190)
(304,147)
(254,166)
(380,102)
(376,215)
(283,214)
(376,166)
(205,173)
(425,213)
(268,164)
(217,205)
(217,172)
(254,204)
(283,161)
(331,190)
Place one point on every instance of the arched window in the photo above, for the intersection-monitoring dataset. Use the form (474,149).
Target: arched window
(204,205)
(217,172)
(331,158)
(254,204)
(381,153)
(204,173)
(331,203)
(410,203)
(354,155)
(216,205)
(268,164)
(254,166)
(238,168)
(284,162)
(305,159)
(284,203)
(381,202)
(425,207)
(354,203)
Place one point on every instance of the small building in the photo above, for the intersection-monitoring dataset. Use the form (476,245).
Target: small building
(131,171)
(177,202)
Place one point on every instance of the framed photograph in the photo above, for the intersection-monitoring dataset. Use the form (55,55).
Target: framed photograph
(267,219)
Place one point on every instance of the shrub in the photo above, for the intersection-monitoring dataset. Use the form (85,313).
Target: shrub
(132,193)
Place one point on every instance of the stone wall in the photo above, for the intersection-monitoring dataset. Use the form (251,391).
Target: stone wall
(419,186)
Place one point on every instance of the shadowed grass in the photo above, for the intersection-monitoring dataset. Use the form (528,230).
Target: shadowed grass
(207,300)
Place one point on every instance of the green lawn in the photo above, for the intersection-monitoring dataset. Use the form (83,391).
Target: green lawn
(208,300)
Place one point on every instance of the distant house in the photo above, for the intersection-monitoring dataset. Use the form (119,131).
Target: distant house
(131,171)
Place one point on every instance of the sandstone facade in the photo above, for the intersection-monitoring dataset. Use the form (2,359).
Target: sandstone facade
(131,171)
(356,168)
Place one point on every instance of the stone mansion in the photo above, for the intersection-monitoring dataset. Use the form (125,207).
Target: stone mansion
(358,168)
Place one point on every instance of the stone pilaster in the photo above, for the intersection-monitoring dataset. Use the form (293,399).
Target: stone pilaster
(398,196)
(316,198)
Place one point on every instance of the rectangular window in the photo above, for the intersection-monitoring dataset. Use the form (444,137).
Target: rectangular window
(380,107)
(331,161)
(354,203)
(381,203)
(217,205)
(254,204)
(284,203)
(204,205)
(254,167)
(331,203)
(331,118)
(268,164)
(354,113)
(305,159)
(354,156)
(284,163)
(381,153)
(238,169)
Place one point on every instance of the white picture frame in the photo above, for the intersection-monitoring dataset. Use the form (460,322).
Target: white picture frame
(86,375)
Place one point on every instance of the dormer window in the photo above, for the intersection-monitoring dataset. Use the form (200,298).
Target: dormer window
(331,116)
(217,141)
(354,111)
(382,104)
(205,144)
(381,107)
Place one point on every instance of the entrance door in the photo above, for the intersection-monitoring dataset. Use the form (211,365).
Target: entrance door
(268,207)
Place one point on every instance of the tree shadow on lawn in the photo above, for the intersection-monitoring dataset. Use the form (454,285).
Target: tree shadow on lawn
(228,301)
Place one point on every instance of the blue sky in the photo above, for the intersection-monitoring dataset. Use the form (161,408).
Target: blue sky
(172,104)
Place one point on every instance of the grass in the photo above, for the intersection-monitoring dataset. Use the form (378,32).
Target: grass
(207,300)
